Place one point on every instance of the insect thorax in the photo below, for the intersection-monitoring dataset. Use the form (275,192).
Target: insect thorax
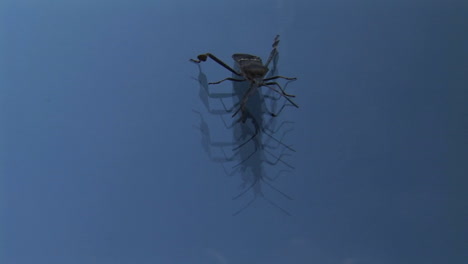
(251,66)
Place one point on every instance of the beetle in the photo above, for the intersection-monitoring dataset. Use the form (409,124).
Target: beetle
(251,69)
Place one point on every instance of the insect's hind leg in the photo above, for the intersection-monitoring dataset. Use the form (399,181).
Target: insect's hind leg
(285,95)
(204,57)
(244,101)
(244,207)
(281,88)
(273,114)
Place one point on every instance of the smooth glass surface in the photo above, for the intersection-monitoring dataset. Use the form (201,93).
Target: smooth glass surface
(102,159)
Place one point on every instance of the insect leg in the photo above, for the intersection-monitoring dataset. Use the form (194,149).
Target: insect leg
(228,79)
(228,110)
(277,113)
(277,206)
(203,57)
(248,140)
(246,159)
(280,77)
(244,100)
(245,206)
(284,123)
(278,159)
(246,190)
(276,189)
(278,141)
(284,95)
(278,174)
(279,86)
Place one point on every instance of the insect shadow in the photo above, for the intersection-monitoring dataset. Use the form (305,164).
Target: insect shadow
(257,134)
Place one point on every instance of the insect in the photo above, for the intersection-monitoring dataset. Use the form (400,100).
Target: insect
(249,156)
(252,70)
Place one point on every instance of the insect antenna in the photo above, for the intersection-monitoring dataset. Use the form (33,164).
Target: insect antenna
(274,51)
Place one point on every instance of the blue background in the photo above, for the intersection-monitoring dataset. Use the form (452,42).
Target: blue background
(100,163)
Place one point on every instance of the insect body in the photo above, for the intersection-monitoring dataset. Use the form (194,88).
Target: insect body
(254,142)
(252,70)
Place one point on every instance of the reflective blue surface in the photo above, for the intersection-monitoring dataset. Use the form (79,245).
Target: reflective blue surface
(102,159)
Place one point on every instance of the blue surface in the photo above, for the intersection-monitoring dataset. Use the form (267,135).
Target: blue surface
(100,163)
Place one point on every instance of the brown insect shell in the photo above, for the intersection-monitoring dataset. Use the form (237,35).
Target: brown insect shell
(250,66)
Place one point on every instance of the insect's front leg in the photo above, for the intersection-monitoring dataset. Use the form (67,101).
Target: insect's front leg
(204,57)
(228,79)
(278,77)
